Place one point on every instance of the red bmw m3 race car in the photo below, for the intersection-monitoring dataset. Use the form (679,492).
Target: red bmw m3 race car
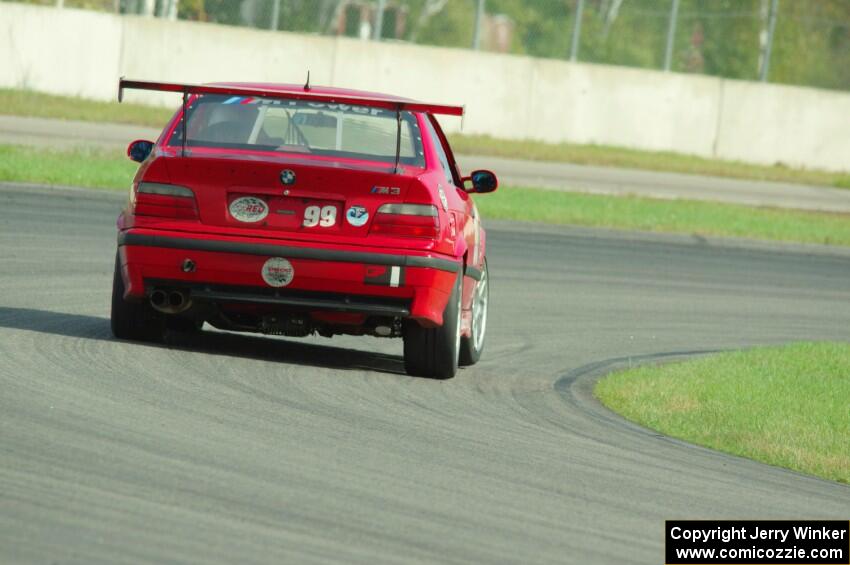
(297,210)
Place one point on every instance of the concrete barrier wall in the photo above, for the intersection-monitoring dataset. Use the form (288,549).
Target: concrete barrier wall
(796,126)
(83,53)
(70,52)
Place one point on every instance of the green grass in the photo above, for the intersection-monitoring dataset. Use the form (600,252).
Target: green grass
(28,103)
(80,167)
(648,160)
(785,406)
(111,169)
(676,216)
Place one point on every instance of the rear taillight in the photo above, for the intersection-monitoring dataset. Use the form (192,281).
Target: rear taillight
(164,201)
(407,220)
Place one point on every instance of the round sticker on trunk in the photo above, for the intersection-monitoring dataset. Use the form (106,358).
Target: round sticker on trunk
(357,216)
(278,272)
(249,209)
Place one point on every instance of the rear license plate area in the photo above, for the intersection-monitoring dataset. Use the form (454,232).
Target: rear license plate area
(305,214)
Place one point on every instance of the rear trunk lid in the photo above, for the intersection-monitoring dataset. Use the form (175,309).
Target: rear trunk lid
(288,197)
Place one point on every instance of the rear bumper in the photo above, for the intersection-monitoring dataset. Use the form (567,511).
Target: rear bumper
(341,279)
(304,301)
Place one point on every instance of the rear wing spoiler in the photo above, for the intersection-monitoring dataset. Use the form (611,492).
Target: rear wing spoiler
(305,95)
(397,106)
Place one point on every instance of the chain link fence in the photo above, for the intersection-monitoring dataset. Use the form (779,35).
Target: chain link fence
(804,42)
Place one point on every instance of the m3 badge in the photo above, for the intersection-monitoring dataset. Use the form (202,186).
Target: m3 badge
(388,190)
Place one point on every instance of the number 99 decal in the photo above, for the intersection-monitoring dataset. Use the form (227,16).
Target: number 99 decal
(316,216)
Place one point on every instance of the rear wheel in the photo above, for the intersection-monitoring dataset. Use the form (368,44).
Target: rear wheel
(133,320)
(433,352)
(472,346)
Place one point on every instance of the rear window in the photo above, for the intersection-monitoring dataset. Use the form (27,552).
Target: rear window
(295,126)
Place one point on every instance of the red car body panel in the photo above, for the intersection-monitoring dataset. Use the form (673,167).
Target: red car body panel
(342,260)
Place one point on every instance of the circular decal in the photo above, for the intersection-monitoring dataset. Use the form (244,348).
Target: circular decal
(287,177)
(278,272)
(357,216)
(249,209)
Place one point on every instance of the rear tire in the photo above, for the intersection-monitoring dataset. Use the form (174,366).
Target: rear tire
(433,352)
(133,320)
(472,346)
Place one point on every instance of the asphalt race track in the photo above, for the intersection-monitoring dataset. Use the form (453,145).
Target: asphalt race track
(243,449)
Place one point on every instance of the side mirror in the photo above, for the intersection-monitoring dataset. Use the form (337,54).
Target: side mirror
(482,181)
(139,150)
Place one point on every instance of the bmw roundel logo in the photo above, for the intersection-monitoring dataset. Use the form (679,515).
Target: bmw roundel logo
(287,177)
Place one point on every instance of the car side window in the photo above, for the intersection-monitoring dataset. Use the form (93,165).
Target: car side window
(441,152)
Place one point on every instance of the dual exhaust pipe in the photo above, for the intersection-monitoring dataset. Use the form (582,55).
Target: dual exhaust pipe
(170,302)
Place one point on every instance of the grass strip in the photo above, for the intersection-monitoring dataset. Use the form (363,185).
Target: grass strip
(674,216)
(29,103)
(97,168)
(785,406)
(36,104)
(92,168)
(603,155)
